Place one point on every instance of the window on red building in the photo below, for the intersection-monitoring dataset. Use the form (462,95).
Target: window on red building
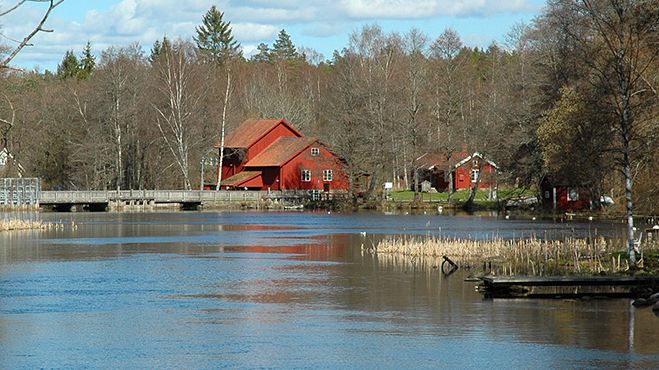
(474,174)
(327,175)
(306,176)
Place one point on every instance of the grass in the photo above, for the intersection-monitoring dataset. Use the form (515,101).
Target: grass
(520,257)
(460,195)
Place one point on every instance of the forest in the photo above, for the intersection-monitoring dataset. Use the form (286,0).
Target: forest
(572,95)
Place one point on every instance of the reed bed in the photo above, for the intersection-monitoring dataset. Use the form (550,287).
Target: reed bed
(513,257)
(17,224)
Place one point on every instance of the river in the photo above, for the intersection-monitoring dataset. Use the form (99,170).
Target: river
(288,290)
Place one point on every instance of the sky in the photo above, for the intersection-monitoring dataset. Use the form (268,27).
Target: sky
(322,25)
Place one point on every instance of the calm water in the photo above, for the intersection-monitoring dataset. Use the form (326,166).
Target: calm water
(287,290)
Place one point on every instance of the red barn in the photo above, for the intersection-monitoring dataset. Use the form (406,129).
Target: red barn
(460,169)
(262,154)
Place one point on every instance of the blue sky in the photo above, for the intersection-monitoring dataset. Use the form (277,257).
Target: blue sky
(323,25)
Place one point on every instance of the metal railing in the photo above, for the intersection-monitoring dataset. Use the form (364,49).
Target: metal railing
(165,196)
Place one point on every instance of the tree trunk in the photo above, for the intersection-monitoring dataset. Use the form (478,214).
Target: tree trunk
(224,120)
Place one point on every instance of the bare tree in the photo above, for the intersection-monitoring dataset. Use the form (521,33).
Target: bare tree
(181,95)
(52,4)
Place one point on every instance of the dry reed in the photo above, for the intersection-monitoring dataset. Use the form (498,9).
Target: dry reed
(17,224)
(512,257)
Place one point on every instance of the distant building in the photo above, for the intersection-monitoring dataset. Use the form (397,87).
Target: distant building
(262,154)
(9,167)
(459,170)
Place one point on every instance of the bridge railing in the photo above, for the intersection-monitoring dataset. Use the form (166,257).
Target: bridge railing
(158,196)
(170,196)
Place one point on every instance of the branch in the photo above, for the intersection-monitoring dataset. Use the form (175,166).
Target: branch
(37,29)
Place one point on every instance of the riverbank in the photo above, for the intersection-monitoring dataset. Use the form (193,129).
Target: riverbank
(537,257)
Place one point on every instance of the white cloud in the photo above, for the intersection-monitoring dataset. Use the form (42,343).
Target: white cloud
(254,31)
(253,21)
(411,9)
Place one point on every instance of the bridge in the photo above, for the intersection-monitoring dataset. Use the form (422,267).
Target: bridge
(186,199)
(26,193)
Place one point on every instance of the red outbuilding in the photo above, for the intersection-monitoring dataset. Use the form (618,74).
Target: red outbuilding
(564,195)
(460,169)
(270,154)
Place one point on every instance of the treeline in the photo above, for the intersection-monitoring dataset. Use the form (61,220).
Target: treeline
(573,95)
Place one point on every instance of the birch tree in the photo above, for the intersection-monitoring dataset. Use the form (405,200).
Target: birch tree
(179,95)
(616,40)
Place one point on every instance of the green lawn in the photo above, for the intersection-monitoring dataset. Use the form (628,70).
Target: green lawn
(461,195)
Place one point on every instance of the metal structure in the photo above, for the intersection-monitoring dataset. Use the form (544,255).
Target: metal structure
(17,192)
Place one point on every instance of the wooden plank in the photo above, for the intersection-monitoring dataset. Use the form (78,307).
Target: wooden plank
(507,281)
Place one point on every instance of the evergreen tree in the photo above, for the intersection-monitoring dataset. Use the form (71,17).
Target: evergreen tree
(283,48)
(87,62)
(214,37)
(69,66)
(159,48)
(263,55)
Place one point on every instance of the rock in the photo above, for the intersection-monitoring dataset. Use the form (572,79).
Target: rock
(655,308)
(641,302)
(653,298)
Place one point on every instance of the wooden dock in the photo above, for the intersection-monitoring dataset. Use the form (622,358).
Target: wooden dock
(564,286)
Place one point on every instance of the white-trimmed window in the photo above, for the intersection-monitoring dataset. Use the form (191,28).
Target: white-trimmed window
(572,194)
(474,174)
(328,175)
(306,176)
(315,152)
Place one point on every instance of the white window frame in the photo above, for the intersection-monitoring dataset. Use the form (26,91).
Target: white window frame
(315,152)
(328,175)
(305,176)
(572,194)
(474,174)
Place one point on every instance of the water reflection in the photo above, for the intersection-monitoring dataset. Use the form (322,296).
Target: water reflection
(283,290)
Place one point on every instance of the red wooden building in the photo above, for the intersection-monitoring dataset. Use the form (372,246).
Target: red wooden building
(563,195)
(460,169)
(262,154)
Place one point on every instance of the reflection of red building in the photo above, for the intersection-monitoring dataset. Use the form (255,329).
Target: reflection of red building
(262,154)
(460,169)
(330,248)
(563,196)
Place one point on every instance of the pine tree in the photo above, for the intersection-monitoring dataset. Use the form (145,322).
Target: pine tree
(283,48)
(159,48)
(263,55)
(87,62)
(69,66)
(214,38)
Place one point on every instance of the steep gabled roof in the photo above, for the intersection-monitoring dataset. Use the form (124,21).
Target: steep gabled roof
(251,130)
(281,151)
(430,161)
(476,154)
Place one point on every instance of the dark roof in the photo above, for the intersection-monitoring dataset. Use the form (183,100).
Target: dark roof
(240,177)
(440,161)
(250,131)
(281,151)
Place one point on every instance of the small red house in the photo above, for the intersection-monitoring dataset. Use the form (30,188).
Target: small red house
(560,195)
(270,154)
(460,169)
